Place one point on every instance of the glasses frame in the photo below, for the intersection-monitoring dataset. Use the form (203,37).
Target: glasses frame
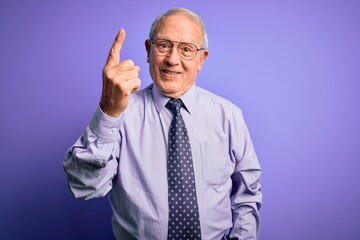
(177,47)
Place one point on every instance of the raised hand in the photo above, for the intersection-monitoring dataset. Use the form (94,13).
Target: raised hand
(120,79)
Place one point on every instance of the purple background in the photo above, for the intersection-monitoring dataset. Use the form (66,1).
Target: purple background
(292,66)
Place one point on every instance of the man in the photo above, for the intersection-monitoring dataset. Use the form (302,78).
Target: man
(175,161)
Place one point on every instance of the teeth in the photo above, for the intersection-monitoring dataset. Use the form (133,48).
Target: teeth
(170,72)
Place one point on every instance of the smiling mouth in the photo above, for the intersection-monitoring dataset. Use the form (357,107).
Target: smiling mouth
(170,72)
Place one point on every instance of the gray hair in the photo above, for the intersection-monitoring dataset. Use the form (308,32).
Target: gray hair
(191,14)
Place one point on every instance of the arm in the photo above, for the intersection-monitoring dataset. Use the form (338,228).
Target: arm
(91,163)
(246,196)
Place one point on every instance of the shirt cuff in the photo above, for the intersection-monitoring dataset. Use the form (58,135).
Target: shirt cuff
(104,126)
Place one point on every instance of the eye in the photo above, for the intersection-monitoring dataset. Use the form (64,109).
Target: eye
(187,48)
(163,45)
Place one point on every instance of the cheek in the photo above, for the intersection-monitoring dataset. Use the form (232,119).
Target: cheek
(154,62)
(155,73)
(192,70)
(152,70)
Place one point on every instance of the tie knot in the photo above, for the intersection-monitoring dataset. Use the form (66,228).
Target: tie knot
(174,106)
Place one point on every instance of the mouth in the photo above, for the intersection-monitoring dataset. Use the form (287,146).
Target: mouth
(168,72)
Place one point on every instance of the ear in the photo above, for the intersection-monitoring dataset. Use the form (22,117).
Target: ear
(203,56)
(148,48)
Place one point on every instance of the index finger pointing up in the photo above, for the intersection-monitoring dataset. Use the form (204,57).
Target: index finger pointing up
(114,55)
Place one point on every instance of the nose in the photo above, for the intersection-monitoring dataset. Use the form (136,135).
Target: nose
(173,57)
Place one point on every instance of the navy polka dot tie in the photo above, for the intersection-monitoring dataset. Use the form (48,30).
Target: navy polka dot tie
(184,221)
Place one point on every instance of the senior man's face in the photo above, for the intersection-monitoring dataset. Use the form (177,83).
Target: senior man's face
(172,74)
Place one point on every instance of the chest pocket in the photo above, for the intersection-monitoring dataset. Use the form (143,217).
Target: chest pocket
(215,162)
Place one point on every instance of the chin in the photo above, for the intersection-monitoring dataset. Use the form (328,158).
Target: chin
(170,91)
(168,86)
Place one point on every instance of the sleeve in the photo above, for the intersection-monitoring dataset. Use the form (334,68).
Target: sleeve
(246,196)
(91,163)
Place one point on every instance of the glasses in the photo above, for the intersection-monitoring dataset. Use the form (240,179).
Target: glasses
(186,51)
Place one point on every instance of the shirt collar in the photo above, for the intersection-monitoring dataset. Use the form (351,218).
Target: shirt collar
(160,100)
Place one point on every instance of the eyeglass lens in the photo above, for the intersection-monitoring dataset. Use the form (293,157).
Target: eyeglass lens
(185,50)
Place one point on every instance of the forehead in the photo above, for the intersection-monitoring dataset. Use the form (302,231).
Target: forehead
(179,27)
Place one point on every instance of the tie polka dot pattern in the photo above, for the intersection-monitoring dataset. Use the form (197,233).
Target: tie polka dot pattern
(184,222)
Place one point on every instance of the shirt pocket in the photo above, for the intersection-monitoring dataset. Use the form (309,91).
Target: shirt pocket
(215,163)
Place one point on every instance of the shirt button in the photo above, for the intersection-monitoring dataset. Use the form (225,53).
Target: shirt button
(114,130)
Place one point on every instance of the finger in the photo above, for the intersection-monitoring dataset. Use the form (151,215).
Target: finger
(122,66)
(137,85)
(120,72)
(114,55)
(133,85)
(125,76)
(130,86)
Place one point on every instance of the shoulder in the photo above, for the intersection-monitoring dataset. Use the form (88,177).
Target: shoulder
(140,98)
(141,95)
(137,103)
(212,100)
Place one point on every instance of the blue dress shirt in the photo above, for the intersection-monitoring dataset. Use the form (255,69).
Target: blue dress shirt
(125,158)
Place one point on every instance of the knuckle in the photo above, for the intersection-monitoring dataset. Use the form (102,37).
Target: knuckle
(129,63)
(135,74)
(106,71)
(119,79)
(107,75)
